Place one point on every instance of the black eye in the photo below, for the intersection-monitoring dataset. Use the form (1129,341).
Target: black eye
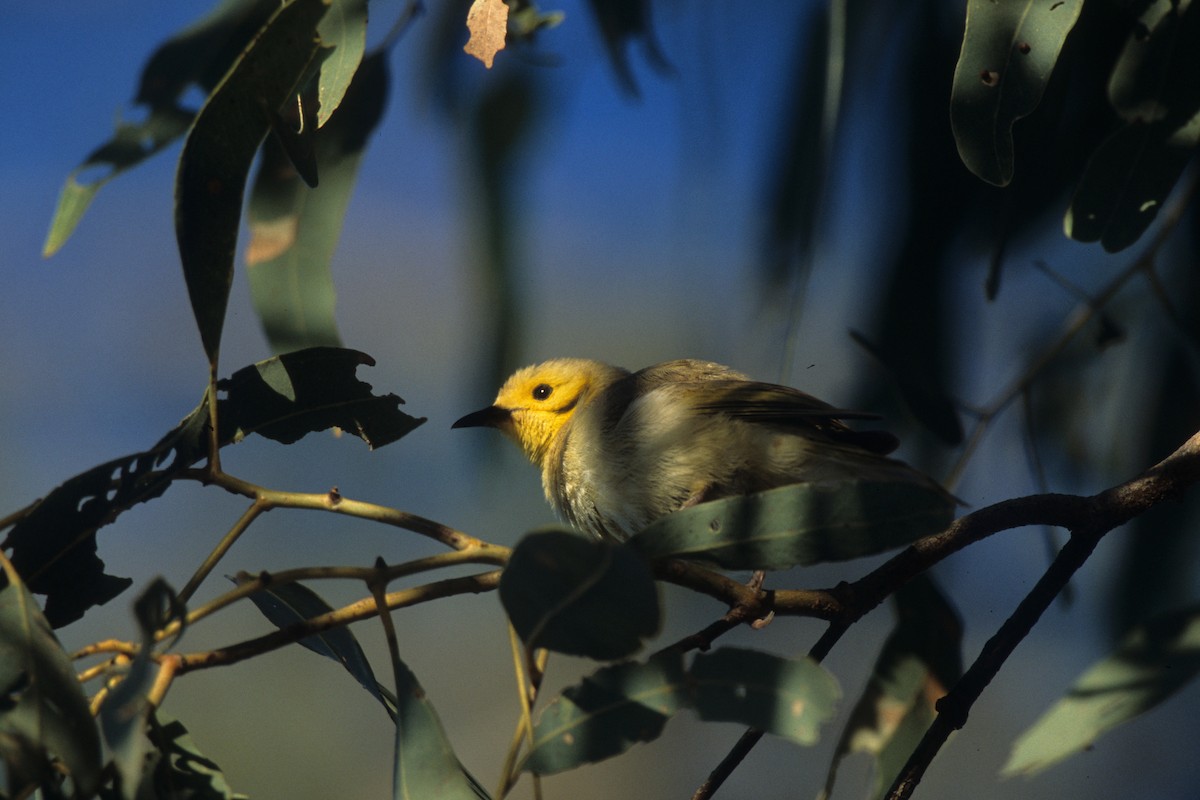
(541,391)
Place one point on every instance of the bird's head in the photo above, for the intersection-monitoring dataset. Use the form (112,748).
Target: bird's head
(536,402)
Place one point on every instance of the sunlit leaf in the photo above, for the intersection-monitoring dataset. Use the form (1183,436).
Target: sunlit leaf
(292,603)
(282,398)
(791,698)
(487,20)
(344,28)
(42,707)
(578,596)
(294,229)
(126,709)
(1154,661)
(1009,50)
(219,150)
(919,661)
(607,713)
(800,524)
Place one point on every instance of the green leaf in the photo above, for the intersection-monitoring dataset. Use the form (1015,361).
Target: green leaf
(282,398)
(291,603)
(294,229)
(199,55)
(1157,76)
(1009,49)
(178,770)
(919,661)
(800,524)
(42,707)
(425,765)
(791,698)
(1154,661)
(578,596)
(1127,181)
(219,150)
(607,713)
(125,710)
(344,27)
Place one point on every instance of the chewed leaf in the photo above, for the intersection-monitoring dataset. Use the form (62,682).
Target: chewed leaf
(800,524)
(1009,50)
(178,762)
(1154,661)
(488,22)
(573,595)
(609,712)
(219,150)
(791,698)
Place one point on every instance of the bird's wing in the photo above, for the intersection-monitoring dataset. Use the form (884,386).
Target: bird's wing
(771,404)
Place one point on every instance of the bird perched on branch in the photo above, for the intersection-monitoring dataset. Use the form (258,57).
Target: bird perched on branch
(618,450)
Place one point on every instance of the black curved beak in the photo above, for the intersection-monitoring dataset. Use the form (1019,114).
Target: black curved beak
(490,417)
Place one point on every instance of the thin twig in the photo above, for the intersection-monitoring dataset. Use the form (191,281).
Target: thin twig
(252,513)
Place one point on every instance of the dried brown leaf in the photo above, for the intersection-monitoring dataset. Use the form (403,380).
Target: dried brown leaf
(487,20)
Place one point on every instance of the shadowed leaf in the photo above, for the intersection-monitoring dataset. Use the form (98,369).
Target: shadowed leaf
(581,597)
(177,769)
(800,524)
(282,398)
(1154,661)
(1009,50)
(607,713)
(622,22)
(924,399)
(219,150)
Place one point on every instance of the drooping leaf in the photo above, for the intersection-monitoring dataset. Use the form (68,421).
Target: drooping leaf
(1154,661)
(1157,76)
(219,150)
(1009,50)
(282,398)
(291,603)
(607,713)
(344,28)
(294,229)
(425,765)
(800,524)
(621,23)
(126,709)
(581,597)
(42,708)
(926,400)
(1127,181)
(197,56)
(919,661)
(487,20)
(178,770)
(791,698)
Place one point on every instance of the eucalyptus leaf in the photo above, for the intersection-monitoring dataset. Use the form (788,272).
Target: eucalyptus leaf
(344,28)
(579,596)
(1009,50)
(178,770)
(1153,662)
(790,698)
(607,713)
(800,524)
(291,603)
(42,707)
(219,150)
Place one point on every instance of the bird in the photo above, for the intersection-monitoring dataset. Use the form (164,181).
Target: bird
(619,449)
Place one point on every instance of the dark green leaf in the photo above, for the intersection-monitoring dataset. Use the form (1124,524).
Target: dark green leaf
(344,28)
(1154,661)
(1157,76)
(177,770)
(282,398)
(578,596)
(42,707)
(125,710)
(800,524)
(291,603)
(791,698)
(609,712)
(1008,52)
(1127,181)
(294,229)
(919,661)
(622,22)
(219,150)
(425,764)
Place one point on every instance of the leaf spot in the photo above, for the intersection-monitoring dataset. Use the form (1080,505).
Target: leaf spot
(568,739)
(797,708)
(1024,48)
(990,77)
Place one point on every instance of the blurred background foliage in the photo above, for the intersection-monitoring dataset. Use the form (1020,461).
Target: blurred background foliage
(777,186)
